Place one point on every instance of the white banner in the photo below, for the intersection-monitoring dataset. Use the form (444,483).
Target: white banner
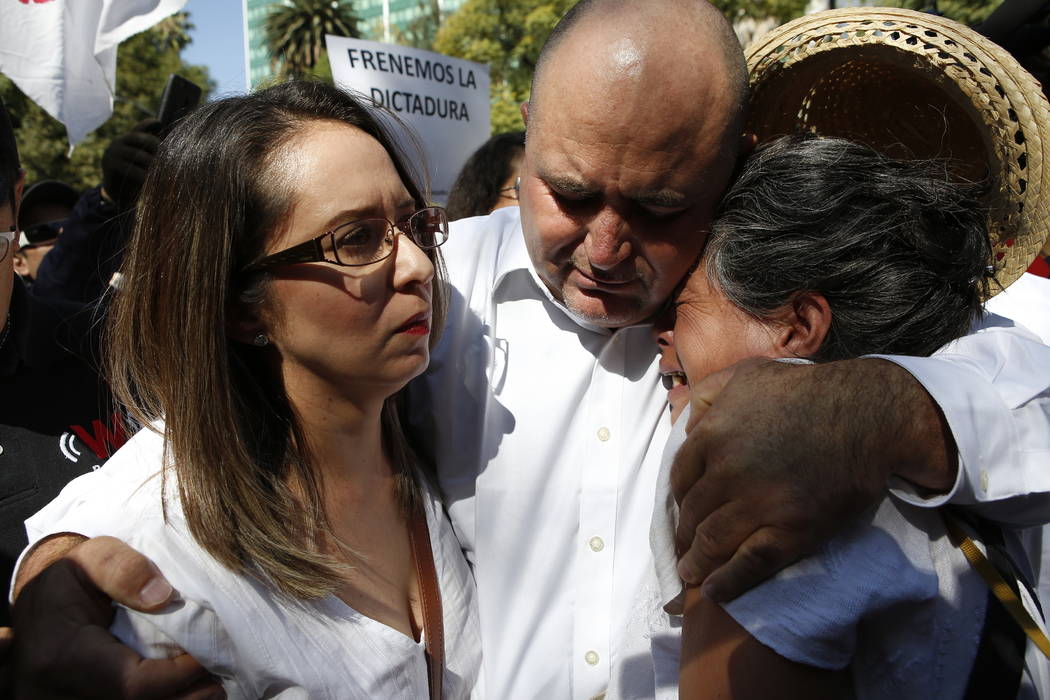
(63,53)
(444,100)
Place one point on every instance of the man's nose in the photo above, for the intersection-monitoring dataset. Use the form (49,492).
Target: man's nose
(607,242)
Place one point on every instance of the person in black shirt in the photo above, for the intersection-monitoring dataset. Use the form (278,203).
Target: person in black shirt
(81,265)
(56,417)
(41,215)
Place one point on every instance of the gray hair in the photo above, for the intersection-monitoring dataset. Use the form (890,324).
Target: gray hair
(899,251)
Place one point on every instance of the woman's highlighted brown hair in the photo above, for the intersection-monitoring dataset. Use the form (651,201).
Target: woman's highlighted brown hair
(213,196)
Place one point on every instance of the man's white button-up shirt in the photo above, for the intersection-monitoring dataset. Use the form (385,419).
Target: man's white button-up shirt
(546,433)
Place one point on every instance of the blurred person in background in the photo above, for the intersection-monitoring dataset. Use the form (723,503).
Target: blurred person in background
(488,180)
(81,265)
(56,419)
(45,207)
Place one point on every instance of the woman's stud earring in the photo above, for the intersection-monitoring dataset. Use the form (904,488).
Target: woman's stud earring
(261,341)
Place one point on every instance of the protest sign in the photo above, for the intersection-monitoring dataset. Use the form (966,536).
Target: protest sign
(444,100)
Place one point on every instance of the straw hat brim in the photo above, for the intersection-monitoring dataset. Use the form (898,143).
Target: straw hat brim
(914,85)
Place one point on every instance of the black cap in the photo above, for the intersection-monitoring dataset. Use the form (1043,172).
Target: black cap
(47,191)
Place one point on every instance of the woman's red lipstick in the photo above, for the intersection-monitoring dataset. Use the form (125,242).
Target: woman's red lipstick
(417,325)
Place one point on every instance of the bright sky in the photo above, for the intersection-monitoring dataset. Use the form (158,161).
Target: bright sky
(218,42)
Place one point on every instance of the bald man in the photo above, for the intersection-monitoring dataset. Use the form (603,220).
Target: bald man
(545,416)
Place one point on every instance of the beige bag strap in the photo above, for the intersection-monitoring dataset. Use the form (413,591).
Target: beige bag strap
(999,587)
(430,601)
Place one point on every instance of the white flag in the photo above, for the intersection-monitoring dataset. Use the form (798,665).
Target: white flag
(63,53)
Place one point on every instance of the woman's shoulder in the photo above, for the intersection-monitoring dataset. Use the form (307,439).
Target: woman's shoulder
(119,499)
(134,497)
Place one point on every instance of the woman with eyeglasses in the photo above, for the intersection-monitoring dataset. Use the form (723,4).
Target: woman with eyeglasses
(282,285)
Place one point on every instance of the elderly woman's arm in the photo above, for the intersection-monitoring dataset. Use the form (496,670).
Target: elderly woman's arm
(721,660)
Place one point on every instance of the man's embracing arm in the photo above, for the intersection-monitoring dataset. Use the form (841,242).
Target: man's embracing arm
(993,388)
(780,455)
(62,612)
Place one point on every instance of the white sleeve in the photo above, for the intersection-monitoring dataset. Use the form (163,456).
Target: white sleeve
(95,503)
(993,387)
(183,627)
(890,597)
(90,505)
(813,611)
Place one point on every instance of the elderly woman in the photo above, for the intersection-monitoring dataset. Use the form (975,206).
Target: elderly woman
(825,250)
(282,286)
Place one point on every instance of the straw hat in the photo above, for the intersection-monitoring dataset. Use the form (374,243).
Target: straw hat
(914,85)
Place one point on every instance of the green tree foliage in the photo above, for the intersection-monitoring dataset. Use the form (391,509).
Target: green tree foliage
(322,70)
(295,33)
(507,35)
(780,10)
(968,12)
(143,64)
(421,31)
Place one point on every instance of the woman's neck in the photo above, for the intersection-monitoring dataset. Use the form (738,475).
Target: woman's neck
(360,497)
(343,430)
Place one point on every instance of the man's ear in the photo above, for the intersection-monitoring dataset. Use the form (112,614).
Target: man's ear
(804,323)
(525,112)
(21,264)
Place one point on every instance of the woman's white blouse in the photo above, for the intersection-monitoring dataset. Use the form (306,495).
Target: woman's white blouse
(889,597)
(262,645)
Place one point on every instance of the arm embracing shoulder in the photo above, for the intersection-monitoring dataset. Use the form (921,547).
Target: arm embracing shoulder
(993,388)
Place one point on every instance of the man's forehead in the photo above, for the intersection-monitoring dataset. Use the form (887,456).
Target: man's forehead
(646,190)
(643,151)
(657,175)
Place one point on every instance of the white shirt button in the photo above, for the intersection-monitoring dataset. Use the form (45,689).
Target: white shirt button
(604,434)
(597,544)
(984,481)
(591,657)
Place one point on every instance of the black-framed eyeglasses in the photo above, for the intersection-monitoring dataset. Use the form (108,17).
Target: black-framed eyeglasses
(7,238)
(364,241)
